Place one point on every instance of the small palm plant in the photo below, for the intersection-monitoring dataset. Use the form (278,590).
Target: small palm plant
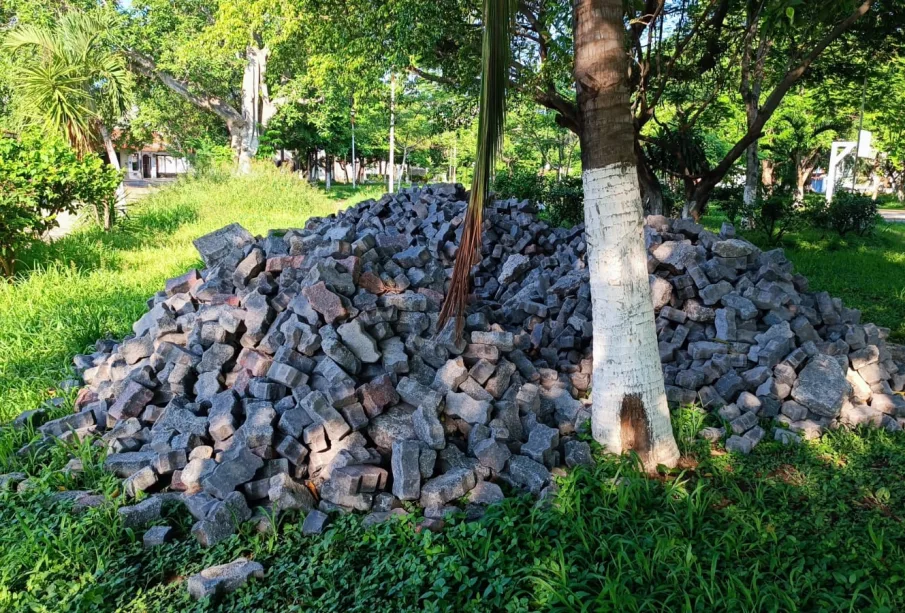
(70,77)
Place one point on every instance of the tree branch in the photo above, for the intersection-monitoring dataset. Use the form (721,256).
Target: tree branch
(567,110)
(772,103)
(432,77)
(148,67)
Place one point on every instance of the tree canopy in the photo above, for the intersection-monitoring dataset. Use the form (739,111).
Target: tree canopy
(720,89)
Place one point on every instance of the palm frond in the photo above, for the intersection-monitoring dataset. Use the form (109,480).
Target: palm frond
(73,74)
(495,59)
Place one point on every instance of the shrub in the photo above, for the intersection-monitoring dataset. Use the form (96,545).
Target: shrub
(850,212)
(775,217)
(41,178)
(563,199)
(519,183)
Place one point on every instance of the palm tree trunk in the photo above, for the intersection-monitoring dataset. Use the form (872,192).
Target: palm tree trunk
(120,201)
(629,409)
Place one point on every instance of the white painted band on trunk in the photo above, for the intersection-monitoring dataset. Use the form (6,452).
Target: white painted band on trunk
(626,356)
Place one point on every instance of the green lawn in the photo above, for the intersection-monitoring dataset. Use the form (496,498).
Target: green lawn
(814,528)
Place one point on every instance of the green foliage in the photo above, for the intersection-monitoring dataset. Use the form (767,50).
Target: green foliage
(775,215)
(848,213)
(729,199)
(851,212)
(772,216)
(889,201)
(71,78)
(814,527)
(563,199)
(207,155)
(39,179)
(520,184)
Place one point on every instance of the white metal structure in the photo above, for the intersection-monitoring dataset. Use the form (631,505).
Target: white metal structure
(840,149)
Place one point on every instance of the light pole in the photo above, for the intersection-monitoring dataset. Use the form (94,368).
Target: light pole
(352,119)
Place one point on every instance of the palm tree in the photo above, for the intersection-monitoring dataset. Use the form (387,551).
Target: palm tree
(629,410)
(71,79)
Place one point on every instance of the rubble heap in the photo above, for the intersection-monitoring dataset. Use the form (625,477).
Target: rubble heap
(305,369)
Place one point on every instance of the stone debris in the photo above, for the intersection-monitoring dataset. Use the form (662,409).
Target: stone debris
(156,536)
(305,371)
(223,579)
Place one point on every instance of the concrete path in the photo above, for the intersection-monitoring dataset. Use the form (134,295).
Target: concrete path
(893,216)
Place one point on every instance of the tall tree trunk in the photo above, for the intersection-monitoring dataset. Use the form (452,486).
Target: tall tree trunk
(803,171)
(454,163)
(405,154)
(752,174)
(767,177)
(391,162)
(629,409)
(651,190)
(257,108)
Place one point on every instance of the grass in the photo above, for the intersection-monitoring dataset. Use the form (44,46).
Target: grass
(867,273)
(815,528)
(812,528)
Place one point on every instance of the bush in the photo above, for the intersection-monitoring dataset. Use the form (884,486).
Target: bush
(775,216)
(519,184)
(563,199)
(41,178)
(850,212)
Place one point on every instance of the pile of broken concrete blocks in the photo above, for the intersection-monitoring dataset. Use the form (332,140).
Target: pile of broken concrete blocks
(306,369)
(742,335)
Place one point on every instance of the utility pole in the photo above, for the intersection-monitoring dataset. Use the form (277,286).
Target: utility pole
(352,119)
(391,166)
(860,127)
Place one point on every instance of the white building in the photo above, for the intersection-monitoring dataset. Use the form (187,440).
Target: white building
(153,161)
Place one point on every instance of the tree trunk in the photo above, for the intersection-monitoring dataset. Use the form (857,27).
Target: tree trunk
(454,163)
(767,177)
(120,198)
(328,172)
(629,411)
(651,190)
(391,161)
(257,108)
(802,178)
(752,174)
(405,153)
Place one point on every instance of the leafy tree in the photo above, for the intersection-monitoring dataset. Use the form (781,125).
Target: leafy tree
(215,54)
(40,178)
(797,139)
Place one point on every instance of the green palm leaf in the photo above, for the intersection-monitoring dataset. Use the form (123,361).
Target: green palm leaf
(70,73)
(495,59)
